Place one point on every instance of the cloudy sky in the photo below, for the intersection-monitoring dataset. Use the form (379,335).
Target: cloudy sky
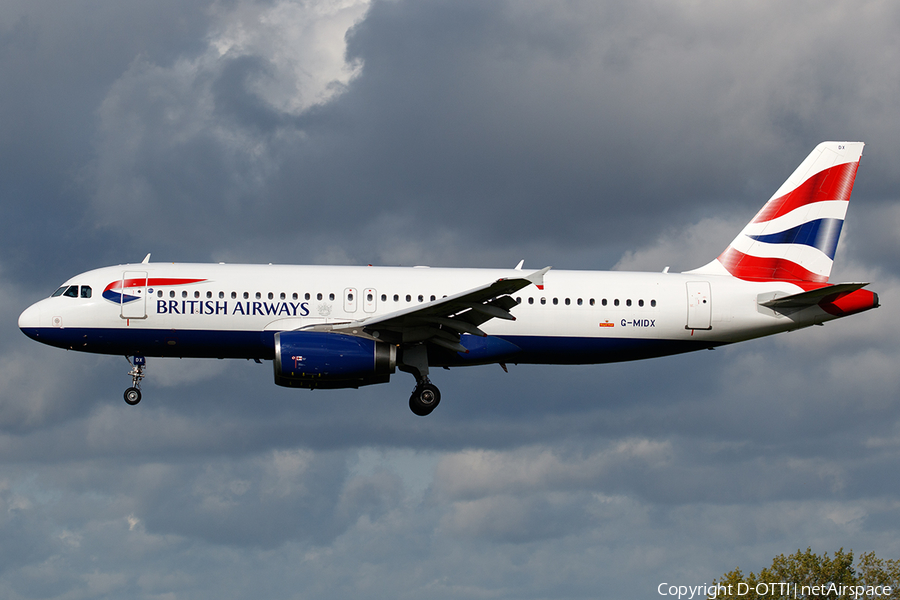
(583,135)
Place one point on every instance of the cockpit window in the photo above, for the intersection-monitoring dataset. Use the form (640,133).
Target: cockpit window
(71,291)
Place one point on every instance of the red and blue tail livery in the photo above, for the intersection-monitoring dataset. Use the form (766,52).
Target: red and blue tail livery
(795,235)
(327,327)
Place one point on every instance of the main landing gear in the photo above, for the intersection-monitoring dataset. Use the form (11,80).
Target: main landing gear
(133,394)
(426,396)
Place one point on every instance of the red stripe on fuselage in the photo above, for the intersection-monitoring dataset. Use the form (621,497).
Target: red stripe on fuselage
(140,282)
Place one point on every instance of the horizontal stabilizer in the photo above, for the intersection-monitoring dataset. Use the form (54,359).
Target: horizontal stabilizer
(812,297)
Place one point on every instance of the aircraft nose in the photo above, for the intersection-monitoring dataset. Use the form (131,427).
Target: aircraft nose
(30,319)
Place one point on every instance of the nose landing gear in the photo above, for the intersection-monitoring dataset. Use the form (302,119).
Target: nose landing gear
(133,394)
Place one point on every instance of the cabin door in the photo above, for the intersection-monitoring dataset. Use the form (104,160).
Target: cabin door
(133,293)
(699,310)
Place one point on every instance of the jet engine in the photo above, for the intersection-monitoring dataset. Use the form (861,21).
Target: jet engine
(314,359)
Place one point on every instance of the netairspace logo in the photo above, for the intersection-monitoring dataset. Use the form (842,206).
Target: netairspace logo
(775,590)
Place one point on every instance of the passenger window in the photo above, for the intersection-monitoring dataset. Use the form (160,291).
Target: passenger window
(408,298)
(259,295)
(85,291)
(233,295)
(384,297)
(555,301)
(306,296)
(531,301)
(159,294)
(331,296)
(221,295)
(568,302)
(592,302)
(283,296)
(432,298)
(543,301)
(579,302)
(653,303)
(246,295)
(616,302)
(295,296)
(421,299)
(640,302)
(628,302)
(171,293)
(603,302)
(271,296)
(209,294)
(184,294)
(71,291)
(396,297)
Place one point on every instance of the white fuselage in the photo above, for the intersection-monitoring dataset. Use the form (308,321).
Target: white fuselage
(222,311)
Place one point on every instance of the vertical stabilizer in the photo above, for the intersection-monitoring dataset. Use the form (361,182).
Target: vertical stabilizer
(795,235)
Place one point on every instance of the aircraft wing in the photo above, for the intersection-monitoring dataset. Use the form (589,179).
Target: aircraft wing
(442,321)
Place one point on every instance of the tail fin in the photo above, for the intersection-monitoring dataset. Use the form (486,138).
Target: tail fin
(794,236)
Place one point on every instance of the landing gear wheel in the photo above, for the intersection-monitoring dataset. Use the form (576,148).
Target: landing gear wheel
(132,396)
(424,399)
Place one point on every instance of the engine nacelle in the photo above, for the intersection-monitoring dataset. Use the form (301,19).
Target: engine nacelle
(315,359)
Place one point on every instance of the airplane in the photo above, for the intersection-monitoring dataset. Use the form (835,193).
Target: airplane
(328,327)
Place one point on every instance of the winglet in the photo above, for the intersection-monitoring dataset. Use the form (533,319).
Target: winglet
(537,278)
(520,265)
(146,259)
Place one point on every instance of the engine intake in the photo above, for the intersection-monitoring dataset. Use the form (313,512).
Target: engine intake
(314,359)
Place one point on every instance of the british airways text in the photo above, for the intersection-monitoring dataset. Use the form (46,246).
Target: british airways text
(213,307)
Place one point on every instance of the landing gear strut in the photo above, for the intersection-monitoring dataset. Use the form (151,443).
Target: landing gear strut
(133,394)
(426,396)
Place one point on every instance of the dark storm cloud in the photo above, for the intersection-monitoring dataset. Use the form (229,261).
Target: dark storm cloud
(579,135)
(57,65)
(469,119)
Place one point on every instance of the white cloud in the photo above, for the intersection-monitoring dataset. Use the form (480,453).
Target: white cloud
(303,42)
(689,248)
(222,108)
(477,473)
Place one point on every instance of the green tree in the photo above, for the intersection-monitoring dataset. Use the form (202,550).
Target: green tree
(811,575)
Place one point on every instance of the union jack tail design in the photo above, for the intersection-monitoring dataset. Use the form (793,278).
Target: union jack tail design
(794,236)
